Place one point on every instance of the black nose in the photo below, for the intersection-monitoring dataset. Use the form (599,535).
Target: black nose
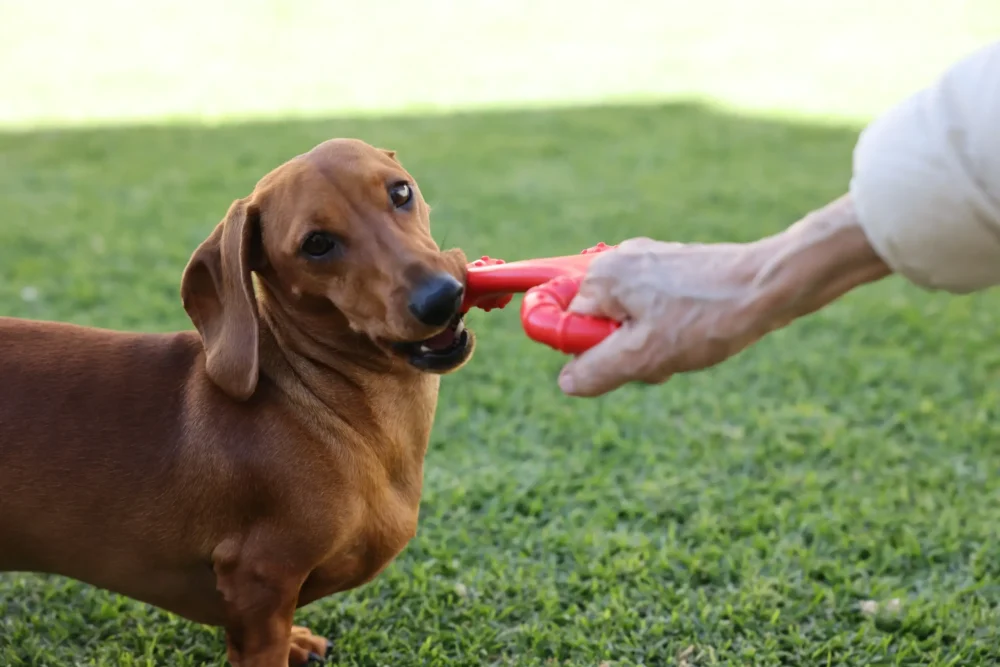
(436,300)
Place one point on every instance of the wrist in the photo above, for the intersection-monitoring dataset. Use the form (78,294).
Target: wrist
(813,263)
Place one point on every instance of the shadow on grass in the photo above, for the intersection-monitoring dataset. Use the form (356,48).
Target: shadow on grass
(647,522)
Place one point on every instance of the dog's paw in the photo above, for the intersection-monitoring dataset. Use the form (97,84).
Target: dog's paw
(307,648)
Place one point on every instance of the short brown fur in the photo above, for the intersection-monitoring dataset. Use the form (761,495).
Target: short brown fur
(272,457)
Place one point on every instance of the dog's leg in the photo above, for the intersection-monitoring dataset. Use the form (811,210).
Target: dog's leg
(260,596)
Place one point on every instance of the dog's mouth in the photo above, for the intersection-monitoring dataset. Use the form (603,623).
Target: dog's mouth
(441,352)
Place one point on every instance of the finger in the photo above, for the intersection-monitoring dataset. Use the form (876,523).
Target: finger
(591,295)
(604,367)
(586,304)
(596,297)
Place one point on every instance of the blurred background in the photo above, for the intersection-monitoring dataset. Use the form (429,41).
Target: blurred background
(112,61)
(829,497)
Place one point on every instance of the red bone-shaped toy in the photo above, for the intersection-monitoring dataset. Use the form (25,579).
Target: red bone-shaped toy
(549,285)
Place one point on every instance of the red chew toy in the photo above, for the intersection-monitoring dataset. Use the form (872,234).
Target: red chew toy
(549,284)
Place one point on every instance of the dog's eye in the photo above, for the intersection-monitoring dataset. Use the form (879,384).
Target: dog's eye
(319,244)
(400,194)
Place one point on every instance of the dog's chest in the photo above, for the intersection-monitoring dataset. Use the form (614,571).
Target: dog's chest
(381,531)
(385,490)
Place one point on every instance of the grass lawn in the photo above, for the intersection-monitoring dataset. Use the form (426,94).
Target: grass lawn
(830,497)
(743,516)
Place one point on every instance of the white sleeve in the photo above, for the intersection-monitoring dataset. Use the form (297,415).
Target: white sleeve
(926,179)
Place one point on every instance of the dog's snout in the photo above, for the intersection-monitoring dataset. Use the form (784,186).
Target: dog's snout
(436,300)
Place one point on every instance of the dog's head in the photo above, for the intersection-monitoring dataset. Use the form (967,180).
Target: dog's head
(343,230)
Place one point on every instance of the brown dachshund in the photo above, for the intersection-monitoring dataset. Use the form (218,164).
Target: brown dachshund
(272,457)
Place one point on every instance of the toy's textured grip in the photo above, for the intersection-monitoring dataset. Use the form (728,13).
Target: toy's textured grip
(549,285)
(545,320)
(478,295)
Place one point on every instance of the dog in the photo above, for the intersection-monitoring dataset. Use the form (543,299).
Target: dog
(273,454)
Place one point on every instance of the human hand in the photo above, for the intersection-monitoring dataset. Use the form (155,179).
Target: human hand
(686,307)
(683,307)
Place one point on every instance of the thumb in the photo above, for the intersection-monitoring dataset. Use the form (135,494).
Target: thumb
(604,367)
(585,304)
(596,298)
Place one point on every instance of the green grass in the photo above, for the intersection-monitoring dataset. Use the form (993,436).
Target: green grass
(739,516)
(748,515)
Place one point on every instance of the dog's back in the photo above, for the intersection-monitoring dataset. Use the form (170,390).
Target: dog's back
(72,447)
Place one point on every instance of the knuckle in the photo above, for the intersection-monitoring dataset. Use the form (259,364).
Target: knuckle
(637,243)
(603,266)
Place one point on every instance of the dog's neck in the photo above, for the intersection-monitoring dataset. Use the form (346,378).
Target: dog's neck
(317,341)
(343,378)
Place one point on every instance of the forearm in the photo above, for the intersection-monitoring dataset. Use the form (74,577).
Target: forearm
(813,263)
(686,307)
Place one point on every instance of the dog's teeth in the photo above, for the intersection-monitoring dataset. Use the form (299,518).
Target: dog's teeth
(424,349)
(460,328)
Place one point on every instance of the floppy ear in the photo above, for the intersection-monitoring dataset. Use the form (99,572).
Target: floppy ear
(218,295)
